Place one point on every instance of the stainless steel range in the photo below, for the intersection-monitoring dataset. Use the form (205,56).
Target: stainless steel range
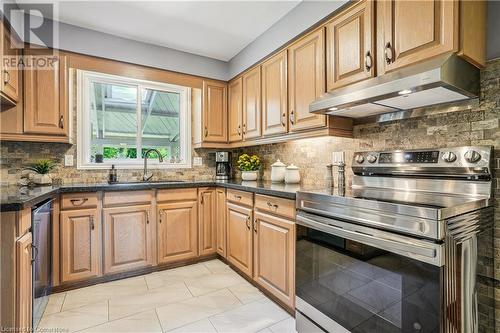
(397,252)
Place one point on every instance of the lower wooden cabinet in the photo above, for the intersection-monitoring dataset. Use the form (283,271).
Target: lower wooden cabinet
(274,256)
(239,237)
(207,228)
(220,216)
(128,238)
(24,283)
(80,244)
(177,231)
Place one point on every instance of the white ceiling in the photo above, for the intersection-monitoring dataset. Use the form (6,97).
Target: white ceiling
(215,29)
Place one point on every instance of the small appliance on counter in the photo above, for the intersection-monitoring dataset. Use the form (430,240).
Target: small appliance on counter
(222,165)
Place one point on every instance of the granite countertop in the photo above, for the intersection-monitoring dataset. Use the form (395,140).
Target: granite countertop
(17,198)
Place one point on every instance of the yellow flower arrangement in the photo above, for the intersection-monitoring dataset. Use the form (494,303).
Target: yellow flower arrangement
(248,163)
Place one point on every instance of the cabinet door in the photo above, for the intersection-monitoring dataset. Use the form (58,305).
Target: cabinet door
(236,110)
(251,104)
(306,80)
(45,97)
(207,230)
(274,95)
(80,244)
(274,256)
(220,216)
(214,112)
(127,238)
(412,31)
(350,39)
(9,85)
(239,237)
(177,231)
(24,283)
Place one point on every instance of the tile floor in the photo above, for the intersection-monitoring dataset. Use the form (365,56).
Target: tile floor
(202,298)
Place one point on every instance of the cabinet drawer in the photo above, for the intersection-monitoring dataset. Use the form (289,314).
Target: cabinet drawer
(278,206)
(177,194)
(240,197)
(127,197)
(79,200)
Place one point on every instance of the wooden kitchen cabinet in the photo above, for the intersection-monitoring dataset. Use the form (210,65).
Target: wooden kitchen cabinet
(177,230)
(128,238)
(207,217)
(220,216)
(9,83)
(45,96)
(24,283)
(274,95)
(252,104)
(414,31)
(350,45)
(81,250)
(239,237)
(214,111)
(274,256)
(306,80)
(235,89)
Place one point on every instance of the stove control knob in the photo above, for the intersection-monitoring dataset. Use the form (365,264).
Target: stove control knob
(371,158)
(449,157)
(472,156)
(359,158)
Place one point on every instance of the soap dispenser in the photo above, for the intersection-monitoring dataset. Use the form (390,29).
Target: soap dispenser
(112,177)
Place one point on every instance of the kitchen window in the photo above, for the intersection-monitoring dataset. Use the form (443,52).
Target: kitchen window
(120,118)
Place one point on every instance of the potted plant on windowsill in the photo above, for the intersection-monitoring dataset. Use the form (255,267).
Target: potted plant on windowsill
(249,167)
(41,169)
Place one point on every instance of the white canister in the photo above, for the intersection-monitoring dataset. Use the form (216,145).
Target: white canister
(292,175)
(278,170)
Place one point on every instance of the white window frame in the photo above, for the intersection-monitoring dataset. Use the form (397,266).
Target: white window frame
(83,80)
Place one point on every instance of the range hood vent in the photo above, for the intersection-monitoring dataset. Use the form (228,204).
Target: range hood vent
(441,80)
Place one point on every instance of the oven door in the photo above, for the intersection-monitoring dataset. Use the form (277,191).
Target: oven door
(359,279)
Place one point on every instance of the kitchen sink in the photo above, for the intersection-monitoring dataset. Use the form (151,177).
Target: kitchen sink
(141,182)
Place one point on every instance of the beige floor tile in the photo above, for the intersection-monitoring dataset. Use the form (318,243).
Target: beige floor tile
(105,291)
(202,326)
(126,305)
(250,317)
(246,293)
(212,282)
(55,303)
(265,330)
(76,319)
(284,326)
(186,312)
(175,276)
(217,266)
(144,322)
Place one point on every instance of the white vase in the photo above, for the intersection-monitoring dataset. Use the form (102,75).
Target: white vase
(40,179)
(249,175)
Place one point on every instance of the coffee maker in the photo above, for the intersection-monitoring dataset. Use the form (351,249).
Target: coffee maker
(222,165)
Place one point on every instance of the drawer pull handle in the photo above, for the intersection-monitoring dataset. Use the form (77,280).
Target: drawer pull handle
(368,61)
(271,206)
(248,222)
(6,78)
(34,253)
(255,225)
(78,202)
(292,117)
(61,122)
(237,197)
(206,131)
(161,215)
(239,130)
(389,53)
(92,222)
(147,217)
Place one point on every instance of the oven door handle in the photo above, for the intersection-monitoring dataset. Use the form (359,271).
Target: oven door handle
(413,248)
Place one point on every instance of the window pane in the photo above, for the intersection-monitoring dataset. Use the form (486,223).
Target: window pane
(113,121)
(160,123)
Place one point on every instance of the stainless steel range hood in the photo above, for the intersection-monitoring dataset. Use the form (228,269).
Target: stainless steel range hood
(441,80)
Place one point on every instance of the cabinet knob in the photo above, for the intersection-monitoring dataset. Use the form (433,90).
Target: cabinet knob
(283,119)
(147,217)
(160,212)
(248,222)
(244,129)
(206,131)
(389,53)
(92,222)
(61,121)
(368,61)
(255,225)
(239,130)
(6,77)
(292,117)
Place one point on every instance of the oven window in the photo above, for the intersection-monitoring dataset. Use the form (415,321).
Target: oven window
(366,289)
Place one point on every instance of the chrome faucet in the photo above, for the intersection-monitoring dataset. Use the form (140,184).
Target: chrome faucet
(147,176)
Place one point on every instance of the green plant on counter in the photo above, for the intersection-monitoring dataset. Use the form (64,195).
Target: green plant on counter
(42,166)
(248,163)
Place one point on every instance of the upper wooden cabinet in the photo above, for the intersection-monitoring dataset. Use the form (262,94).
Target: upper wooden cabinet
(9,84)
(274,95)
(207,228)
(236,109)
(252,104)
(306,80)
(214,111)
(239,237)
(350,45)
(45,96)
(128,238)
(413,31)
(80,244)
(177,230)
